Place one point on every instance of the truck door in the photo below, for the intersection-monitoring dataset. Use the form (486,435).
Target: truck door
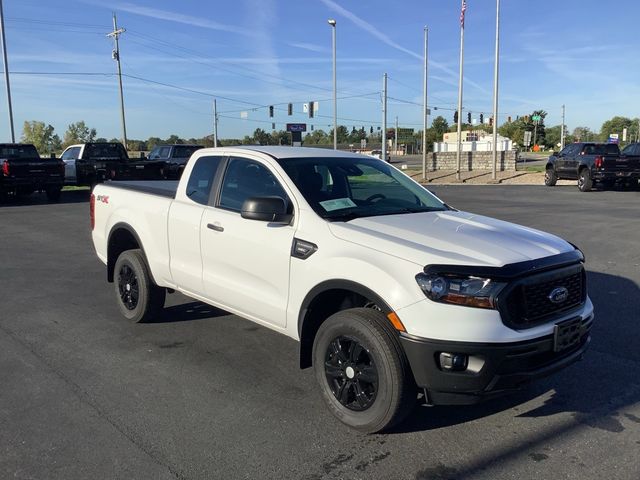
(183,226)
(246,262)
(69,157)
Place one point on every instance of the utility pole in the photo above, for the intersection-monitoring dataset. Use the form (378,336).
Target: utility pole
(384,117)
(461,78)
(535,133)
(425,109)
(332,22)
(116,56)
(562,131)
(395,139)
(495,93)
(215,123)
(6,73)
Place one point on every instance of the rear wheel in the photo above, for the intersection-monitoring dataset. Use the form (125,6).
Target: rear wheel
(585,183)
(139,299)
(550,177)
(363,373)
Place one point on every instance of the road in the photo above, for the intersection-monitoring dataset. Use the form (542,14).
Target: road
(202,394)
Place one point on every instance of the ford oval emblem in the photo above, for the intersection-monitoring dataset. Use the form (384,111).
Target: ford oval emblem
(558,295)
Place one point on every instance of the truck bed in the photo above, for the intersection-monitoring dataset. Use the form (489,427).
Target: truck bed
(164,188)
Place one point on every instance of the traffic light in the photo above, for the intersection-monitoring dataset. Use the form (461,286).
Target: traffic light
(310,109)
(509,118)
(273,126)
(482,118)
(370,129)
(468,117)
(491,121)
(270,110)
(290,109)
(455,116)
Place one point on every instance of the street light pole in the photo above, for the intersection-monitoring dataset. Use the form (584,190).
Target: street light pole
(116,56)
(562,131)
(495,93)
(332,22)
(425,108)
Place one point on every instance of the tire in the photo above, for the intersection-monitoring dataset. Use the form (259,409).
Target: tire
(138,298)
(550,177)
(362,371)
(53,194)
(585,183)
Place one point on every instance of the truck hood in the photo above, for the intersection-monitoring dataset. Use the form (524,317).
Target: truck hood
(451,237)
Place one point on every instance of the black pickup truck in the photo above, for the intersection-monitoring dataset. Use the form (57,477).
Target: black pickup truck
(175,156)
(91,163)
(23,172)
(593,164)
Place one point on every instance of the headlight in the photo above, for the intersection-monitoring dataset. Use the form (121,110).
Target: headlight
(460,290)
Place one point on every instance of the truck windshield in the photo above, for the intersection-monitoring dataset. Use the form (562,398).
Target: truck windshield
(347,188)
(105,150)
(18,151)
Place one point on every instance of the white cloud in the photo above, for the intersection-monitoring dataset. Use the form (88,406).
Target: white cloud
(309,46)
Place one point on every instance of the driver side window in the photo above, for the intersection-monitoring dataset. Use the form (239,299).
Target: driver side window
(245,179)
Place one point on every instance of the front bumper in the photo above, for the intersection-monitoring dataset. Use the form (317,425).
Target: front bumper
(493,368)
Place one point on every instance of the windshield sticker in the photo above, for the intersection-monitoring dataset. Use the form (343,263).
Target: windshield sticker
(337,204)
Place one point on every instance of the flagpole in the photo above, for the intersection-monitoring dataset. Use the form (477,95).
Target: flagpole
(463,7)
(495,93)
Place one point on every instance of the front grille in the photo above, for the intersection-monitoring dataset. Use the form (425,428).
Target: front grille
(527,302)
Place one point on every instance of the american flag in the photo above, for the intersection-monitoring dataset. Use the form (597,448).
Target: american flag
(462,11)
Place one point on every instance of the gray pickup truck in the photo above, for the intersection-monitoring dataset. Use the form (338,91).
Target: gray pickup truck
(593,164)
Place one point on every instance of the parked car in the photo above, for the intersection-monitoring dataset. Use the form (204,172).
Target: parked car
(176,157)
(592,163)
(23,172)
(387,288)
(91,163)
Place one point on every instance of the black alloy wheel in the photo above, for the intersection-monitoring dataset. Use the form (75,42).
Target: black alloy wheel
(128,287)
(139,298)
(351,373)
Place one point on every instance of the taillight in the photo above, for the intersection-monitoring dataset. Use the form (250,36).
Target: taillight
(598,162)
(5,168)
(92,211)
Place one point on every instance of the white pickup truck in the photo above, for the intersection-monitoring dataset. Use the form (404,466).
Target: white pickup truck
(389,291)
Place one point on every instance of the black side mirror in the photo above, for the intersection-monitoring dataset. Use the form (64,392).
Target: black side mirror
(266,209)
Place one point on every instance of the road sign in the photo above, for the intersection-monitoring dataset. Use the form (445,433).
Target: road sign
(536,118)
(624,134)
(363,143)
(527,138)
(613,138)
(296,127)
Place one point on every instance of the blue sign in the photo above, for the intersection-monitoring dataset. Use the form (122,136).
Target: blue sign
(296,127)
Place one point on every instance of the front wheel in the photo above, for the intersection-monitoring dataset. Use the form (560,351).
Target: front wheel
(585,183)
(139,299)
(363,373)
(550,177)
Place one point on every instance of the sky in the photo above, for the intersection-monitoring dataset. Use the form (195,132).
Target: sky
(249,54)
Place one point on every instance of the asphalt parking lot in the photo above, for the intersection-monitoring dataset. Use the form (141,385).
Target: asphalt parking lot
(202,394)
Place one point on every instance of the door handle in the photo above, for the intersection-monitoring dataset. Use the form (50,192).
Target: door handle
(215,226)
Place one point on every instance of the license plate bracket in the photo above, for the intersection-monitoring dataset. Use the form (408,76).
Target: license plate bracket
(566,334)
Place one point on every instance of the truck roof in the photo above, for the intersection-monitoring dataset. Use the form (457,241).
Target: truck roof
(290,152)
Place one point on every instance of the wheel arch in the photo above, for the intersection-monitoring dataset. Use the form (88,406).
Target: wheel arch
(122,237)
(324,300)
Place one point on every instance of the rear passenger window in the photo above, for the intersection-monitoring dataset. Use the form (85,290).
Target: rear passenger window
(201,179)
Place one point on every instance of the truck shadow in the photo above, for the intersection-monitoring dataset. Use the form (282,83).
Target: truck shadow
(593,391)
(67,197)
(187,312)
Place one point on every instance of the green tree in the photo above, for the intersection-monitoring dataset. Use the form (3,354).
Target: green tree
(617,125)
(261,137)
(41,136)
(174,139)
(317,137)
(280,137)
(554,136)
(584,134)
(78,132)
(153,141)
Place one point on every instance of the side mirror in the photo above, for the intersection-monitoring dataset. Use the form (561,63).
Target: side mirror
(266,209)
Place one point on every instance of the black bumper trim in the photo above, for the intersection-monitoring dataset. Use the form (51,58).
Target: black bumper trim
(506,366)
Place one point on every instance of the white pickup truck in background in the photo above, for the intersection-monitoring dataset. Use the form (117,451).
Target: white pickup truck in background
(388,289)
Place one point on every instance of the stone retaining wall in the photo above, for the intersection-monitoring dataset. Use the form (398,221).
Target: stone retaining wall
(471,161)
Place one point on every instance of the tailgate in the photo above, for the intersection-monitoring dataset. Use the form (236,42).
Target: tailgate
(626,163)
(34,168)
(142,170)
